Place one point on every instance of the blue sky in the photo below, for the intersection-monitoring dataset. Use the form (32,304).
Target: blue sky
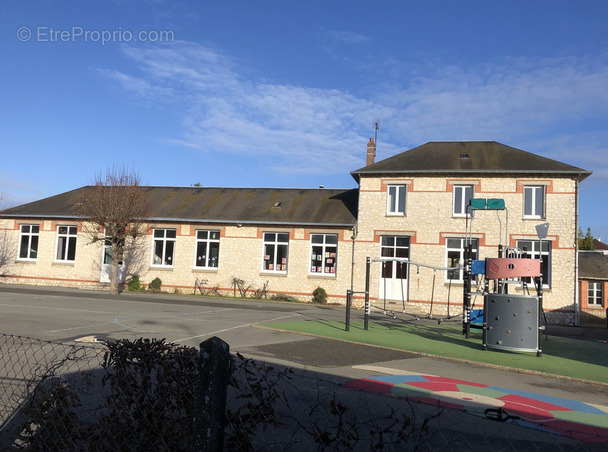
(285,94)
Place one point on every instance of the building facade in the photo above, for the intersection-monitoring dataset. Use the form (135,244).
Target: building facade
(593,280)
(414,206)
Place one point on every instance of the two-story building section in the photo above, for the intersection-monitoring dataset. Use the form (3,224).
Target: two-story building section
(414,205)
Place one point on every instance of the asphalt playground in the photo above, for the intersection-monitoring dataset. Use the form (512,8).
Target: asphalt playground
(531,399)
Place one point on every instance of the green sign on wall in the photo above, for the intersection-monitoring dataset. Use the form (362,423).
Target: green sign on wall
(487,204)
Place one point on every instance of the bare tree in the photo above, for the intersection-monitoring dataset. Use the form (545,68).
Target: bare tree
(114,211)
(8,252)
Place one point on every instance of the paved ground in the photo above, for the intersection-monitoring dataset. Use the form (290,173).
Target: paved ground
(582,421)
(67,315)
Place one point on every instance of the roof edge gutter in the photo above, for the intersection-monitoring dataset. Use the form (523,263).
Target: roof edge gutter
(582,174)
(44,217)
(194,220)
(251,222)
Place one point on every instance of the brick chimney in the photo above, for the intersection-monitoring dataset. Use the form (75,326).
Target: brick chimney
(371,152)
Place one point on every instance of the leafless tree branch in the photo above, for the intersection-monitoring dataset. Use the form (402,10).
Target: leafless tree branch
(115,210)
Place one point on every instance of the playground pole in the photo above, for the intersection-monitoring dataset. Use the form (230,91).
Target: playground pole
(466,318)
(349,294)
(502,287)
(539,353)
(365,317)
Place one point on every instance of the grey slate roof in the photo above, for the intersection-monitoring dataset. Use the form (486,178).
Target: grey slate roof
(318,206)
(469,157)
(592,265)
(600,245)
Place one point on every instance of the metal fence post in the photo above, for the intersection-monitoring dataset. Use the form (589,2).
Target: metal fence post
(349,295)
(539,352)
(214,370)
(367,308)
(466,296)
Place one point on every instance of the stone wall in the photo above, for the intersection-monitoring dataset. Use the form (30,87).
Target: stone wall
(429,222)
(240,256)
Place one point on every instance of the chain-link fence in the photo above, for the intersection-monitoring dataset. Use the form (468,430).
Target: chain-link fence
(147,395)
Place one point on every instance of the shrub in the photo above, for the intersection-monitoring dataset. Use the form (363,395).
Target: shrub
(152,393)
(319,295)
(283,297)
(155,284)
(134,285)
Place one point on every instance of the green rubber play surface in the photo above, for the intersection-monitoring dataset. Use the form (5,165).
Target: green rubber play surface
(567,357)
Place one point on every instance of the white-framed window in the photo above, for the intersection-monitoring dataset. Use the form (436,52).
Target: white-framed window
(164,247)
(323,253)
(595,293)
(276,247)
(462,196)
(530,249)
(107,250)
(395,200)
(455,250)
(28,241)
(398,247)
(66,243)
(534,201)
(207,249)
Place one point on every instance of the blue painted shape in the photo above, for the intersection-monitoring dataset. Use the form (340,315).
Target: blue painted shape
(397,379)
(478,267)
(477,318)
(564,403)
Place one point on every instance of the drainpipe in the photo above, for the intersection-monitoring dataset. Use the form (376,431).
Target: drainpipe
(352,258)
(576,291)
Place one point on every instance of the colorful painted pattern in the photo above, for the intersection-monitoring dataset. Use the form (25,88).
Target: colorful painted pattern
(584,422)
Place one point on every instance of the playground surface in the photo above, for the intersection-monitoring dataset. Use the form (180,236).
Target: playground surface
(584,422)
(567,353)
(575,357)
(570,357)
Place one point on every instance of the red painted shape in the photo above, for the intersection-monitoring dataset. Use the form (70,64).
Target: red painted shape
(436,402)
(533,403)
(505,267)
(528,412)
(454,380)
(434,386)
(365,384)
(582,432)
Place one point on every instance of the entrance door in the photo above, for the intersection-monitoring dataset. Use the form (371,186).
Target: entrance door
(106,262)
(394,274)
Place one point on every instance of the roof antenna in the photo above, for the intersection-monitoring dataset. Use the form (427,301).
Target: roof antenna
(376,127)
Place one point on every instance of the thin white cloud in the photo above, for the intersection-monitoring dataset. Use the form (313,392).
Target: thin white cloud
(135,85)
(587,150)
(302,128)
(555,105)
(486,101)
(348,37)
(14,192)
(9,200)
(311,130)
(190,66)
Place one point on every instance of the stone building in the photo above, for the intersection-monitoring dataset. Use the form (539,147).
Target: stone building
(593,279)
(414,205)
